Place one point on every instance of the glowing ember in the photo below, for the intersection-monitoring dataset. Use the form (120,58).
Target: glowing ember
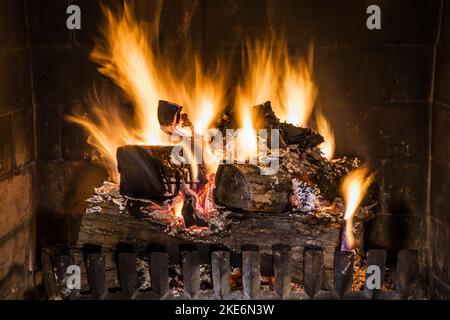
(354,187)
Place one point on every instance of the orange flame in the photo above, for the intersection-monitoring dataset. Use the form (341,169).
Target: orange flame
(272,74)
(107,131)
(177,207)
(299,92)
(354,187)
(323,126)
(127,54)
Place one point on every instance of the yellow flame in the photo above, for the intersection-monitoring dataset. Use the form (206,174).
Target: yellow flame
(127,53)
(108,131)
(247,142)
(127,57)
(354,187)
(324,128)
(299,93)
(201,92)
(177,207)
(272,74)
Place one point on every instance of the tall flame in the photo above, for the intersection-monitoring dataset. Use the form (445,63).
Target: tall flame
(354,187)
(272,74)
(127,57)
(323,126)
(299,92)
(259,85)
(127,53)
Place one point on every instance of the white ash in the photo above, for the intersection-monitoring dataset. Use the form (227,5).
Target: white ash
(93,209)
(107,192)
(306,197)
(95,199)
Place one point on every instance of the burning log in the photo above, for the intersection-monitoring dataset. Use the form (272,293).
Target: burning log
(251,191)
(109,226)
(303,137)
(189,213)
(265,118)
(148,173)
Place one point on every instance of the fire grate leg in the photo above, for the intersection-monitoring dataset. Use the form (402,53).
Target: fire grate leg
(220,265)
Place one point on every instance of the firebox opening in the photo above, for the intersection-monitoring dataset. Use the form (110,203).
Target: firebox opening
(234,149)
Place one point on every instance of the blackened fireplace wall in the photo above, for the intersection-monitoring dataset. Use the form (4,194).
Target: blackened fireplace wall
(17,155)
(439,222)
(386,93)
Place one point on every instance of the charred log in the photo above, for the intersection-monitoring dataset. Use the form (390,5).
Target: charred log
(147,173)
(304,138)
(169,114)
(243,187)
(265,118)
(170,117)
(189,213)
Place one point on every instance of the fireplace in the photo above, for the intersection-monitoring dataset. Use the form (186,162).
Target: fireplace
(227,150)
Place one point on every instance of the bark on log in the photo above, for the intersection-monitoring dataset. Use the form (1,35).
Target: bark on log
(251,191)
